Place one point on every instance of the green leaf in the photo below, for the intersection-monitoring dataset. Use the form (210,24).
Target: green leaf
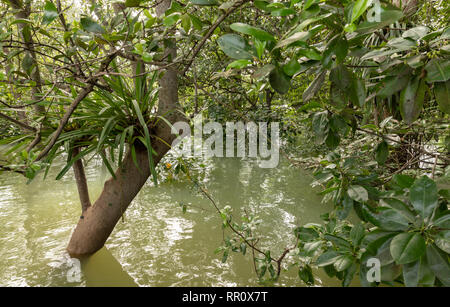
(438,70)
(291,67)
(416,33)
(443,221)
(263,71)
(357,93)
(387,17)
(235,47)
(50,13)
(400,207)
(91,26)
(320,126)
(423,196)
(407,247)
(132,3)
(327,258)
(305,234)
(147,141)
(438,263)
(337,46)
(359,8)
(442,94)
(27,63)
(196,22)
(299,36)
(306,275)
(442,240)
(343,262)
(357,234)
(358,193)
(283,12)
(382,153)
(186,22)
(279,81)
(411,99)
(392,85)
(314,87)
(171,19)
(418,273)
(205,2)
(238,64)
(253,31)
(386,219)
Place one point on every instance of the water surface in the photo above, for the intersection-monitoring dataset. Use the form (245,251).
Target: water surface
(156,244)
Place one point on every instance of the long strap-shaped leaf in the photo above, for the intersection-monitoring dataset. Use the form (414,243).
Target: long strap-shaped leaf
(148,143)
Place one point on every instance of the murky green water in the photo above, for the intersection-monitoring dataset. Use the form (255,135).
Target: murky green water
(156,244)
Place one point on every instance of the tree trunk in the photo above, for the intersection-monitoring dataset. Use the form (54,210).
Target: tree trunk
(24,13)
(99,220)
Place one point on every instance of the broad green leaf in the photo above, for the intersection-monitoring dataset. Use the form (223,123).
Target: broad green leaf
(357,92)
(438,70)
(439,265)
(279,81)
(299,36)
(358,193)
(50,13)
(27,63)
(416,33)
(196,22)
(235,47)
(339,242)
(382,152)
(186,22)
(418,273)
(443,221)
(238,64)
(357,234)
(393,84)
(386,219)
(359,8)
(342,263)
(291,67)
(132,3)
(171,19)
(306,275)
(205,2)
(442,94)
(407,247)
(253,31)
(91,26)
(337,46)
(387,17)
(423,196)
(263,71)
(327,258)
(283,12)
(314,87)
(442,240)
(320,126)
(305,234)
(411,99)
(400,207)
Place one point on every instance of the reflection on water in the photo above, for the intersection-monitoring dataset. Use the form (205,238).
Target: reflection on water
(156,244)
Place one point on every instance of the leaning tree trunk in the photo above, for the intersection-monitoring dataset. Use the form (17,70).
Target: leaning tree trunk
(98,221)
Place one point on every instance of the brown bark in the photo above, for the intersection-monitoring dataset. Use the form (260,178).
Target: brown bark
(80,178)
(99,220)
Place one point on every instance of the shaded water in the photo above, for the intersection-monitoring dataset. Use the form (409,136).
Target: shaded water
(156,244)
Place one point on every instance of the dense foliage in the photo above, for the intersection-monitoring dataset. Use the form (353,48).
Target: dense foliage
(360,88)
